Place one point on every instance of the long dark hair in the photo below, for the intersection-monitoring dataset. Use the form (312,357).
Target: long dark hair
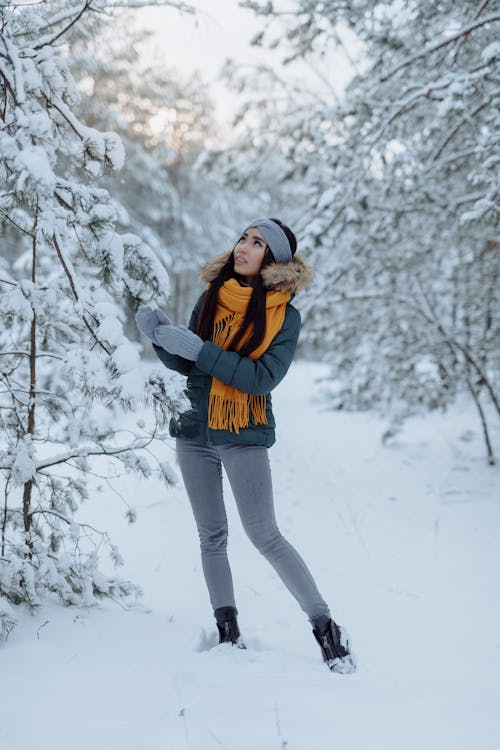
(256,310)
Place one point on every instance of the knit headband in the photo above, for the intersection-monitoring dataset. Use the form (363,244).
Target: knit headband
(275,238)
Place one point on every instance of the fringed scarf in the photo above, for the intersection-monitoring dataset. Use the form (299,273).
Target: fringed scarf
(229,408)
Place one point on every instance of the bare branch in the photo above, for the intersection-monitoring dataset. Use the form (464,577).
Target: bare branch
(460,155)
(453,344)
(51,40)
(65,267)
(409,104)
(27,354)
(482,6)
(457,127)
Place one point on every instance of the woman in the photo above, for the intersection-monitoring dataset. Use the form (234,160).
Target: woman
(239,345)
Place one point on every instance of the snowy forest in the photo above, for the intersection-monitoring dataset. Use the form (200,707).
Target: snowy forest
(119,181)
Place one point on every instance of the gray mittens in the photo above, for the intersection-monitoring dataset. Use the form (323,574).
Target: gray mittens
(174,339)
(177,340)
(148,319)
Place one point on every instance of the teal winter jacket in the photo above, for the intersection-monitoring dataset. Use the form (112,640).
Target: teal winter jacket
(257,376)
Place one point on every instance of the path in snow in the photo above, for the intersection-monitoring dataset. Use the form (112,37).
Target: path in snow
(404,543)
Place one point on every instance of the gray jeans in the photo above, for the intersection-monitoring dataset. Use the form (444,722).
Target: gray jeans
(249,473)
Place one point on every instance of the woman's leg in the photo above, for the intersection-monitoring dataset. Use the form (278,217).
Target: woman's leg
(202,474)
(250,476)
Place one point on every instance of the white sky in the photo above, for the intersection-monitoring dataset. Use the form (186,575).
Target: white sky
(221,29)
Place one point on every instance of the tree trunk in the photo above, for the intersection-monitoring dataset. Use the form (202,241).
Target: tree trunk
(28,486)
(4,522)
(482,416)
(177,299)
(453,345)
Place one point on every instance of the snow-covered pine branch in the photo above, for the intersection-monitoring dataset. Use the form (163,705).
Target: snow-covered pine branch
(67,367)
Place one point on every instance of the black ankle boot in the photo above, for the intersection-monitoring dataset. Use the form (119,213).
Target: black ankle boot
(227,625)
(334,645)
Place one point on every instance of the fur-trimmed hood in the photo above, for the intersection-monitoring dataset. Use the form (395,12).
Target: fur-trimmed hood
(284,277)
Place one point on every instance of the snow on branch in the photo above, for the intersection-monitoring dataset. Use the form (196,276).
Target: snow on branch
(449,137)
(66,272)
(102,147)
(16,84)
(465,31)
(134,4)
(136,444)
(411,101)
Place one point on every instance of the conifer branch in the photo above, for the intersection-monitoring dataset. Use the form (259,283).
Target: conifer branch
(81,453)
(17,226)
(75,293)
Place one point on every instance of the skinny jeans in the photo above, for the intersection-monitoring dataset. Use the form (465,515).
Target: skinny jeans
(249,474)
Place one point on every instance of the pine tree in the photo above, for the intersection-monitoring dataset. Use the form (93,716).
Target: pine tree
(62,346)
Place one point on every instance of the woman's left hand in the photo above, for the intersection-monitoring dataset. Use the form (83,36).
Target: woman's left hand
(148,320)
(178,340)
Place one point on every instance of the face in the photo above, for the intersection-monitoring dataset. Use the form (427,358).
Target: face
(249,253)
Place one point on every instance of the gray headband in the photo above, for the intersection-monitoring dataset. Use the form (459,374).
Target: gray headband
(275,238)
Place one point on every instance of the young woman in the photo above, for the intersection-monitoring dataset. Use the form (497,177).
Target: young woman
(239,345)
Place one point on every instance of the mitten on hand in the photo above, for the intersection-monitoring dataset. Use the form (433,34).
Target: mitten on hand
(148,319)
(179,341)
(161,317)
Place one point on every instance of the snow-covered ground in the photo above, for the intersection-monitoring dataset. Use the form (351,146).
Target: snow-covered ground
(404,541)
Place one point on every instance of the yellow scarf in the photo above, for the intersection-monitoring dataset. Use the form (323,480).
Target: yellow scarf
(229,408)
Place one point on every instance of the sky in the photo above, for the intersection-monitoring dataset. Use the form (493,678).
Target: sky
(222,30)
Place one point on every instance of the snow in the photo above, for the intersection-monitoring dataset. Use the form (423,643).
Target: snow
(111,330)
(403,540)
(490,52)
(35,164)
(15,303)
(115,152)
(23,467)
(126,357)
(131,380)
